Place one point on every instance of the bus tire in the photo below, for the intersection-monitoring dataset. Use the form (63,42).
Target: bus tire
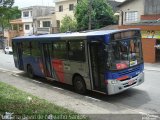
(30,71)
(79,84)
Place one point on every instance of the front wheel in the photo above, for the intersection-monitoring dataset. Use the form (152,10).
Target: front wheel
(79,85)
(30,71)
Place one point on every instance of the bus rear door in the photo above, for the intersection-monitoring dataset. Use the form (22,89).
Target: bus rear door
(46,56)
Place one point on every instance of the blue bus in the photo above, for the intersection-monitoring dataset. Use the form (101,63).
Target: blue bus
(108,61)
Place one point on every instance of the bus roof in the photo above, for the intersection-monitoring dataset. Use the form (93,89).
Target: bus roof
(74,34)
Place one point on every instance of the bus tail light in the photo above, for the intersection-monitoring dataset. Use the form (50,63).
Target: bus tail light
(122,78)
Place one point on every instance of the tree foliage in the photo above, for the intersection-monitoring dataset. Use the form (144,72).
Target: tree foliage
(101,14)
(8,3)
(7,13)
(68,24)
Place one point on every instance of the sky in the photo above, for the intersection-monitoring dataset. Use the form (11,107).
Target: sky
(27,3)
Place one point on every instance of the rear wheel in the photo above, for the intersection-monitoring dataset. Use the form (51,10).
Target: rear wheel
(79,85)
(30,71)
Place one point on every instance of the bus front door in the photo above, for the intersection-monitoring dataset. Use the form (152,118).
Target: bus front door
(46,56)
(97,66)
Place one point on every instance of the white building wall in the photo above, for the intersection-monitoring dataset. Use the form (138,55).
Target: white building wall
(29,31)
(27,19)
(135,5)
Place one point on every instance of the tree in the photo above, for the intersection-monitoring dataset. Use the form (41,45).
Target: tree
(8,3)
(99,12)
(8,14)
(68,24)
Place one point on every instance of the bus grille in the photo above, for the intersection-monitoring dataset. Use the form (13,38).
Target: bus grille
(128,85)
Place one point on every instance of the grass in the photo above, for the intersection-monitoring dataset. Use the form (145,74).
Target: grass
(20,103)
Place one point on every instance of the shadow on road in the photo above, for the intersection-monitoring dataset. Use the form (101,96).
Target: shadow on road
(132,97)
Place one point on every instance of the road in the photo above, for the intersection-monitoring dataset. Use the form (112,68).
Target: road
(6,61)
(143,99)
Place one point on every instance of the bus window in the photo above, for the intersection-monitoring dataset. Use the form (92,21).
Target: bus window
(76,51)
(59,50)
(27,48)
(35,51)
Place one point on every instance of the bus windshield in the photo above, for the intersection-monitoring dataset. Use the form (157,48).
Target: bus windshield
(125,53)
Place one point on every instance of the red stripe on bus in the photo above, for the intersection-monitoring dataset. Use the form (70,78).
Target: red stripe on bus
(58,67)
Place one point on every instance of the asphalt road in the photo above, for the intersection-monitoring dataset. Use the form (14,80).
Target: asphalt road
(6,61)
(142,99)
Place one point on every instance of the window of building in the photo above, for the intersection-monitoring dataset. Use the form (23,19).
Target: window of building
(20,27)
(131,16)
(59,50)
(26,27)
(46,24)
(26,14)
(61,8)
(71,7)
(76,50)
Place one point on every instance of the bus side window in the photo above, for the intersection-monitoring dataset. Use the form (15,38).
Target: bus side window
(77,51)
(35,49)
(59,50)
(27,48)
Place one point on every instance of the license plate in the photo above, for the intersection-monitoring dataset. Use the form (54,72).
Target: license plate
(130,82)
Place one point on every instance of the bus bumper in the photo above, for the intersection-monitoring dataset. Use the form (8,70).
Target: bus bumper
(116,86)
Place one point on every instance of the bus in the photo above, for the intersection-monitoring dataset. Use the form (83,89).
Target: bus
(105,61)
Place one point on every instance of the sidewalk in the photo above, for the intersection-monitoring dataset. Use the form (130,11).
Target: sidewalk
(152,66)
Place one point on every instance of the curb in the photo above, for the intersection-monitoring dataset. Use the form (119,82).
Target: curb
(5,70)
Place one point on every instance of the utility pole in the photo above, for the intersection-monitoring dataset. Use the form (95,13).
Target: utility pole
(89,15)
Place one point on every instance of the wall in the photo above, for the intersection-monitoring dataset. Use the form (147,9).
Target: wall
(65,3)
(150,17)
(28,32)
(134,5)
(149,53)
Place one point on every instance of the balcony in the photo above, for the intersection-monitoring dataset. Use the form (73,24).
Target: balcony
(47,30)
(44,30)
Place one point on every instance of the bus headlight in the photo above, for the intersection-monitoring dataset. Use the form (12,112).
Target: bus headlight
(114,81)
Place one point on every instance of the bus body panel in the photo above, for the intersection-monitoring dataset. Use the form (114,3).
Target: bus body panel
(116,86)
(130,77)
(36,64)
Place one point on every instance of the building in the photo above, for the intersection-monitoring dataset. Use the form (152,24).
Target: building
(66,7)
(143,14)
(46,24)
(63,8)
(133,11)
(29,15)
(16,30)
